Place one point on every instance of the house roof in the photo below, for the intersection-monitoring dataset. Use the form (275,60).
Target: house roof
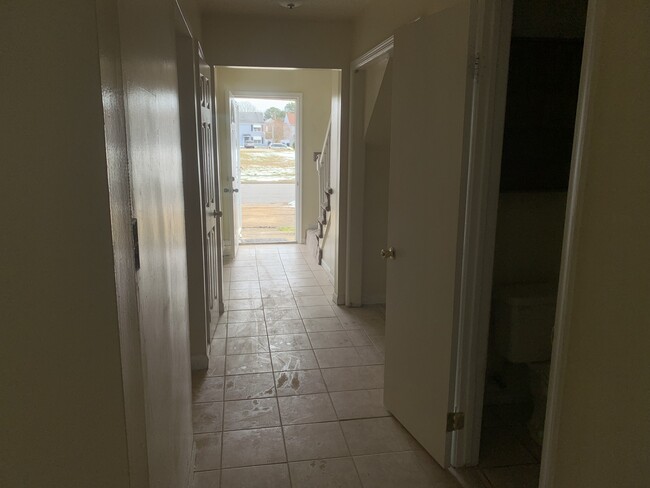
(291,118)
(251,117)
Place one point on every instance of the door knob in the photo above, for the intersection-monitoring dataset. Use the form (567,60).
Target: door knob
(235,190)
(226,190)
(217,213)
(388,253)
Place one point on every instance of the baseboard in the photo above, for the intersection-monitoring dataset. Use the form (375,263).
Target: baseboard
(200,362)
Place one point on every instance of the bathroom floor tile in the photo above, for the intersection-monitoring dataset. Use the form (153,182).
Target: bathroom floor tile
(246,386)
(253,447)
(251,414)
(325,473)
(314,441)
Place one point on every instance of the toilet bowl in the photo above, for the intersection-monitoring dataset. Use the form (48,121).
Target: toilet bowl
(524,315)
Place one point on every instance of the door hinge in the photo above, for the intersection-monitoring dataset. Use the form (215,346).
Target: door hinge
(136,243)
(455,421)
(477,65)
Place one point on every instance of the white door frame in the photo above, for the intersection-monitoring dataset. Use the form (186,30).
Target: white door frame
(291,96)
(478,254)
(357,171)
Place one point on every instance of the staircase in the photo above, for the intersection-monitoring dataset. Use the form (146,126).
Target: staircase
(316,237)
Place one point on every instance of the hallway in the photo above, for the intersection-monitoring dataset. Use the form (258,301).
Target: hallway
(293,394)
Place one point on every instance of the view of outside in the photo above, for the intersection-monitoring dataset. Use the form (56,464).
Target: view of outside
(267,141)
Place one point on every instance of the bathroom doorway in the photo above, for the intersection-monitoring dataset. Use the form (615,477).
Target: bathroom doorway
(542,97)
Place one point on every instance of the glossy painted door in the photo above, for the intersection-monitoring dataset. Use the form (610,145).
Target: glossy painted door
(428,140)
(235,175)
(209,176)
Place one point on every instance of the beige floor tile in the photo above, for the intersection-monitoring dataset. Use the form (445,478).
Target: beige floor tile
(269,476)
(238,316)
(294,360)
(247,386)
(314,441)
(305,409)
(354,378)
(525,476)
(251,414)
(275,314)
(207,417)
(282,327)
(313,301)
(248,363)
(253,447)
(375,436)
(379,341)
(206,479)
(302,282)
(246,329)
(359,404)
(370,355)
(277,291)
(244,304)
(245,293)
(325,473)
(318,312)
(279,302)
(299,382)
(323,325)
(323,340)
(299,274)
(245,285)
(441,478)
(217,366)
(307,291)
(289,342)
(358,337)
(220,331)
(218,347)
(207,389)
(247,345)
(338,357)
(391,470)
(207,451)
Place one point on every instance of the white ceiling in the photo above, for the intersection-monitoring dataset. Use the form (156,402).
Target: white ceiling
(310,9)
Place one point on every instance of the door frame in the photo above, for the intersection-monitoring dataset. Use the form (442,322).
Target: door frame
(292,96)
(357,172)
(478,255)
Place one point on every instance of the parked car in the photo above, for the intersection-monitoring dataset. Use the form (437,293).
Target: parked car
(279,145)
(249,144)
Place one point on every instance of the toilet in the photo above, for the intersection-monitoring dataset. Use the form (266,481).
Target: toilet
(524,315)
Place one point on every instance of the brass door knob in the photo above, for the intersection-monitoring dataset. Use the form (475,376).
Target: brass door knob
(388,253)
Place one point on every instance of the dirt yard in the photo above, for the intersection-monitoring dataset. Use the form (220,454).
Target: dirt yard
(268,223)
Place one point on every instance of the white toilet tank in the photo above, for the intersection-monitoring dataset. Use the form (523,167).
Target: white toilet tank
(524,315)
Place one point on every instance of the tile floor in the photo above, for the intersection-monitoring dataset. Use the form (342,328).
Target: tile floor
(293,394)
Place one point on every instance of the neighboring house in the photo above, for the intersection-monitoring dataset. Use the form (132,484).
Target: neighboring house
(251,129)
(290,128)
(274,130)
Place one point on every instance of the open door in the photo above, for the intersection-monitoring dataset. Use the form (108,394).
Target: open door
(235,176)
(432,84)
(212,211)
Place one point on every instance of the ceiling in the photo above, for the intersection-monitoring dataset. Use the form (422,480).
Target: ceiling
(310,9)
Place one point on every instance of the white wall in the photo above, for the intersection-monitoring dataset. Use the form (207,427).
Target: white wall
(604,430)
(528,241)
(62,410)
(316,89)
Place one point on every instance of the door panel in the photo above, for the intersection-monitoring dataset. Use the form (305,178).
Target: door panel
(235,175)
(209,185)
(428,137)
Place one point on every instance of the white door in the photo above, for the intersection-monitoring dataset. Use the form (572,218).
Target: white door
(235,175)
(431,78)
(209,173)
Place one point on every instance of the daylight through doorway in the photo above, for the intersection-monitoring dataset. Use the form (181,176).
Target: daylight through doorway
(267,157)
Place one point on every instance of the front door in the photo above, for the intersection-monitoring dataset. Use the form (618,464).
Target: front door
(211,204)
(431,79)
(235,176)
